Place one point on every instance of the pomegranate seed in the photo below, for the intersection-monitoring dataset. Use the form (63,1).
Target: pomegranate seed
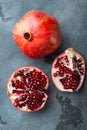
(34,99)
(61,62)
(74,61)
(82,71)
(79,60)
(71,82)
(54,74)
(23,97)
(32,79)
(18,91)
(65,58)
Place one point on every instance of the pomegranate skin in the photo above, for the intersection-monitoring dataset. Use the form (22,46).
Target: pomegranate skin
(37,34)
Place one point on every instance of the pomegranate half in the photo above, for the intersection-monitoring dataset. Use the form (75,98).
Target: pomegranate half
(68,71)
(26,88)
(37,34)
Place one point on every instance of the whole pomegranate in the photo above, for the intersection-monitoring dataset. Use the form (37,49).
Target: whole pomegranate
(37,34)
(68,71)
(26,88)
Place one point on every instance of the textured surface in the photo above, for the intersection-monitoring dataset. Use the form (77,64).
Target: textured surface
(63,111)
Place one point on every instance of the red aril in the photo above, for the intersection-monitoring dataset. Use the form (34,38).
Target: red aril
(26,88)
(68,71)
(37,34)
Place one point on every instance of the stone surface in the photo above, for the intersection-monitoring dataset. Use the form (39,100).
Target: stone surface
(63,111)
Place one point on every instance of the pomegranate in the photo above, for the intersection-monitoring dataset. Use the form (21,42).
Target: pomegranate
(68,71)
(26,88)
(37,34)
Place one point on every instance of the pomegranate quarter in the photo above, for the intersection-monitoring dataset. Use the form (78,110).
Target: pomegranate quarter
(26,88)
(68,71)
(37,34)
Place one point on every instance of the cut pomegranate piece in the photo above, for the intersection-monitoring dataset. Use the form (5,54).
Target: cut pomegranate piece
(26,88)
(68,71)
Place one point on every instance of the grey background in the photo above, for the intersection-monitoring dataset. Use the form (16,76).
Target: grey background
(63,111)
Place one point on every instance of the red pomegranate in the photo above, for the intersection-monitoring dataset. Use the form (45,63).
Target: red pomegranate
(68,71)
(26,88)
(37,34)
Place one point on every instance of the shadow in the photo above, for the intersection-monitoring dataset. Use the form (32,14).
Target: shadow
(2,122)
(70,115)
(3,18)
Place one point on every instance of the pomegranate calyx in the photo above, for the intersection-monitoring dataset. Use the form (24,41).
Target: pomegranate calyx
(28,36)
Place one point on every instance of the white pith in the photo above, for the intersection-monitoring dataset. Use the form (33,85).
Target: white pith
(14,96)
(70,53)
